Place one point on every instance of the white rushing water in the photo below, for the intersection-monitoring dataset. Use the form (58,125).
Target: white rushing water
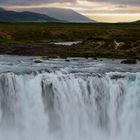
(54,106)
(64,105)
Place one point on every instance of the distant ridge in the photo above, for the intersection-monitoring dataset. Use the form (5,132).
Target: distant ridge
(64,14)
(138,21)
(12,16)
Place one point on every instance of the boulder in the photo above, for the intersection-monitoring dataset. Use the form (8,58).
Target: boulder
(129,61)
(67,60)
(94,58)
(38,61)
(116,77)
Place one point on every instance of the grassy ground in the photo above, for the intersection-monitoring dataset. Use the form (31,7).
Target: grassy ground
(39,34)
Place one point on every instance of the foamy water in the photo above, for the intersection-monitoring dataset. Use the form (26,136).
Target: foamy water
(77,100)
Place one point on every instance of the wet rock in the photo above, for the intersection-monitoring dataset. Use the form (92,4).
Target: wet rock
(116,77)
(94,58)
(67,60)
(38,61)
(129,61)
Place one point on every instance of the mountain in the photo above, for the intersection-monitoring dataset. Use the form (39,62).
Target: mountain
(12,16)
(138,21)
(64,14)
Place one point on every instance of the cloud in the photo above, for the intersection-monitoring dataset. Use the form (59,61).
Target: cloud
(31,2)
(126,2)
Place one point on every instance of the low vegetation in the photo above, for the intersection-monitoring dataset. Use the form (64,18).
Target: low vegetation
(98,40)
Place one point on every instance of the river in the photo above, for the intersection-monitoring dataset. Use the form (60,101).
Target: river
(73,99)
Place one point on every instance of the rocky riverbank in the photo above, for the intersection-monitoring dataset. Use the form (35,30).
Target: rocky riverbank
(87,48)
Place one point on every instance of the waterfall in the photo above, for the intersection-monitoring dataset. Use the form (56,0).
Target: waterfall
(58,106)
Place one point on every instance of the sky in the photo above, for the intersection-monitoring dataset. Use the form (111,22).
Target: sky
(99,10)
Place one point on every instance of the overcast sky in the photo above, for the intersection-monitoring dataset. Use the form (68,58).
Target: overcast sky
(100,10)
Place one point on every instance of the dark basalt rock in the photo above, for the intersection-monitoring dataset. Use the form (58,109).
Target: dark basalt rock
(38,61)
(116,77)
(67,60)
(94,58)
(129,61)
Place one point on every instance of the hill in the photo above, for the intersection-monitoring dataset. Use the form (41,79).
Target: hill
(12,16)
(64,14)
(138,21)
